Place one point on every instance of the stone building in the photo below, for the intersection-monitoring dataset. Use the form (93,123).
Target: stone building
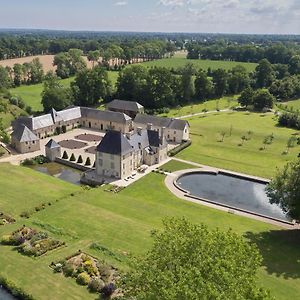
(52,150)
(129,108)
(24,140)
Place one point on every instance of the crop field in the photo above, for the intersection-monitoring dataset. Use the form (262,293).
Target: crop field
(178,62)
(242,149)
(121,223)
(31,94)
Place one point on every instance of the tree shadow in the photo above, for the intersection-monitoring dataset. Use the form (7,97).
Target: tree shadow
(280,250)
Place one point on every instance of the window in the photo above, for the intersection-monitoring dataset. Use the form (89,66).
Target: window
(112,165)
(100,162)
(123,156)
(174,131)
(123,166)
(111,156)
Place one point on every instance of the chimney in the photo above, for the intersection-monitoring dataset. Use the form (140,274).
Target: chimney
(139,130)
(149,126)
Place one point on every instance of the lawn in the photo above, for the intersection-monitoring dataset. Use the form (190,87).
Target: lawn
(31,94)
(122,223)
(208,149)
(194,108)
(178,62)
(293,104)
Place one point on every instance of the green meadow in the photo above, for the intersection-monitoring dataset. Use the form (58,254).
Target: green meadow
(121,223)
(31,94)
(234,153)
(178,62)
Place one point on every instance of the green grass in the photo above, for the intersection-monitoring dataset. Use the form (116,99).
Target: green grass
(122,223)
(295,104)
(31,94)
(207,149)
(178,62)
(174,165)
(193,108)
(10,114)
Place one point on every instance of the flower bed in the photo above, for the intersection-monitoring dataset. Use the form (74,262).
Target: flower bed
(6,219)
(98,276)
(31,242)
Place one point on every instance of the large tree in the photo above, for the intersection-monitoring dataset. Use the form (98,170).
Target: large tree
(190,262)
(246,97)
(203,86)
(55,95)
(264,74)
(90,86)
(220,81)
(284,189)
(263,99)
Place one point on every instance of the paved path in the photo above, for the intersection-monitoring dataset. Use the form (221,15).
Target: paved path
(203,113)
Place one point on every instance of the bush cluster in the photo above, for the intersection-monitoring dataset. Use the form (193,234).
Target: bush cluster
(290,120)
(179,148)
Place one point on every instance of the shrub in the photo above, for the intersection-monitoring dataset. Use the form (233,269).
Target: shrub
(96,285)
(25,214)
(88,162)
(83,278)
(64,129)
(179,148)
(108,290)
(68,270)
(72,158)
(65,155)
(6,240)
(80,161)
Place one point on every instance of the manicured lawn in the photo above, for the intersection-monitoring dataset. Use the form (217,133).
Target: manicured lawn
(31,94)
(193,108)
(177,62)
(174,165)
(207,149)
(122,223)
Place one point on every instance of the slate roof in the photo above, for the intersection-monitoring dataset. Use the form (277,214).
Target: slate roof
(68,114)
(104,115)
(156,121)
(23,134)
(52,144)
(124,105)
(114,142)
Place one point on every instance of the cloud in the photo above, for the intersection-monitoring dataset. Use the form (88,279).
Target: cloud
(121,3)
(173,3)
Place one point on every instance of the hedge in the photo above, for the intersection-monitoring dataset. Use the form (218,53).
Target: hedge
(14,290)
(179,148)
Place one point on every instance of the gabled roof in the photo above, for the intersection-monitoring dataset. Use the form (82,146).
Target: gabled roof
(24,134)
(52,144)
(104,115)
(114,142)
(124,105)
(55,116)
(68,114)
(154,120)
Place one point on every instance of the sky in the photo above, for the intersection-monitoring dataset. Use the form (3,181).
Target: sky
(217,16)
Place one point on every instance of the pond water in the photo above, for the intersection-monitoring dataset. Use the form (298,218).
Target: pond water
(4,295)
(235,192)
(59,171)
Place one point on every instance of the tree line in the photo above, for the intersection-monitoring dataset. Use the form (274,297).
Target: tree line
(276,53)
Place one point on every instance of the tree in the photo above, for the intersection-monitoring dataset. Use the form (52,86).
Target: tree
(188,261)
(5,81)
(238,80)
(294,65)
(94,56)
(55,95)
(65,155)
(88,162)
(90,86)
(72,158)
(187,82)
(246,97)
(264,74)
(36,71)
(263,99)
(203,86)
(284,189)
(18,74)
(220,82)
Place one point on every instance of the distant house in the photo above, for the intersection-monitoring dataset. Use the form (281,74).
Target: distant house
(24,140)
(129,108)
(176,130)
(118,155)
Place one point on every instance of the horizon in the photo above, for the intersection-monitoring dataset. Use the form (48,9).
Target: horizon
(165,16)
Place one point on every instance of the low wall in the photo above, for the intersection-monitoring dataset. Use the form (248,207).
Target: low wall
(72,164)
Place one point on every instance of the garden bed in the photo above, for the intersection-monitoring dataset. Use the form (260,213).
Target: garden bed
(31,242)
(6,219)
(98,276)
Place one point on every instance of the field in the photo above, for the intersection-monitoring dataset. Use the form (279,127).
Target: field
(121,223)
(10,114)
(31,94)
(194,108)
(46,60)
(208,149)
(294,104)
(178,62)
